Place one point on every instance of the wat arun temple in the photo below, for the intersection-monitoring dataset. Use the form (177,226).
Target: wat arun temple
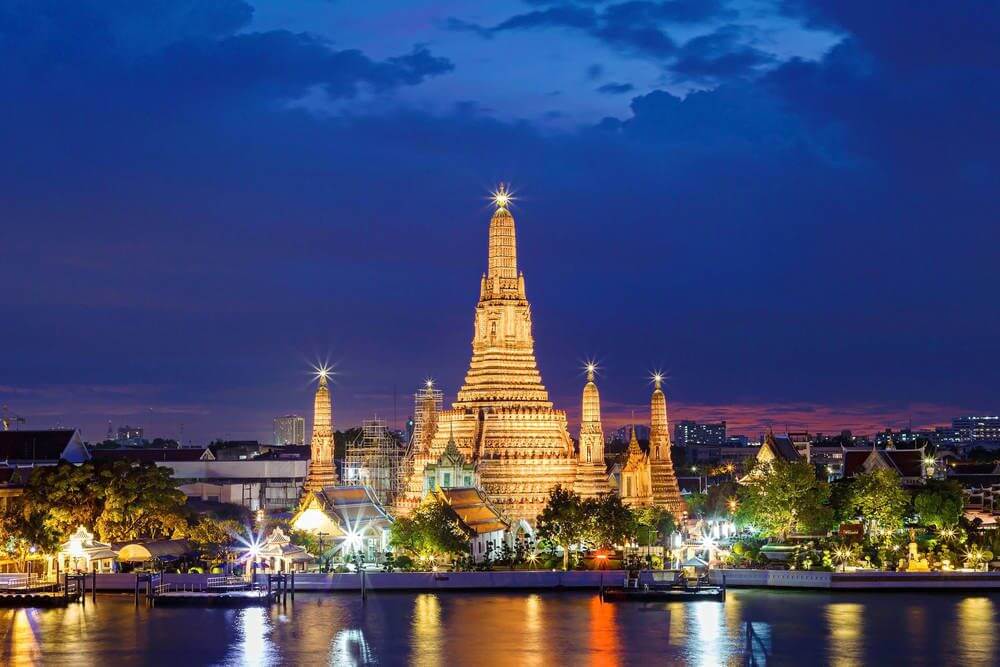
(502,420)
(502,431)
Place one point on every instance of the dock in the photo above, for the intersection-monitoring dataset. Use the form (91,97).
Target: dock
(30,590)
(223,591)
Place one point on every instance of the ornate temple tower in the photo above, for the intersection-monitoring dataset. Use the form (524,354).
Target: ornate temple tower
(502,418)
(591,473)
(321,470)
(666,493)
(635,486)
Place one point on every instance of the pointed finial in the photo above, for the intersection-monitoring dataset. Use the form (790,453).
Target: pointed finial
(657,379)
(322,373)
(501,197)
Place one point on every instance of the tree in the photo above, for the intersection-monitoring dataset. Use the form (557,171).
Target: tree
(780,497)
(139,501)
(939,503)
(67,496)
(563,521)
(610,521)
(431,531)
(657,524)
(878,497)
(213,537)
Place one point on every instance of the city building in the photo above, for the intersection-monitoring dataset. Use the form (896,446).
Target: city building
(978,430)
(688,433)
(130,435)
(290,430)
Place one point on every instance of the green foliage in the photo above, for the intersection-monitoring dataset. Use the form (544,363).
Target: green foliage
(878,497)
(609,521)
(213,537)
(119,501)
(780,497)
(431,532)
(139,501)
(563,521)
(939,503)
(697,504)
(656,525)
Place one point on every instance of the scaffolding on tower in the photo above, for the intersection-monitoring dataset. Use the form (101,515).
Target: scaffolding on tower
(374,459)
(427,404)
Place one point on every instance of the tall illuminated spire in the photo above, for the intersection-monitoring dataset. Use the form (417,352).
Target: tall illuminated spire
(321,469)
(503,239)
(666,492)
(591,431)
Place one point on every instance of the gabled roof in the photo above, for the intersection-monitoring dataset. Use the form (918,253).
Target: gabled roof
(474,509)
(152,455)
(30,446)
(780,447)
(905,462)
(354,503)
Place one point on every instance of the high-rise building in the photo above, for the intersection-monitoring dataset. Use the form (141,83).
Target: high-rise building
(689,433)
(290,430)
(978,429)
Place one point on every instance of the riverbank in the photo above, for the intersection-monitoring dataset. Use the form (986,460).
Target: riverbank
(540,580)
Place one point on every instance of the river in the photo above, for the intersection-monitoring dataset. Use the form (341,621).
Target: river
(806,628)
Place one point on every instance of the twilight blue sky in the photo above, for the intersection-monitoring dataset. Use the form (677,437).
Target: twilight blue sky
(790,206)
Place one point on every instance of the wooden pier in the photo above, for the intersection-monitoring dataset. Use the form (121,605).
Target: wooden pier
(30,590)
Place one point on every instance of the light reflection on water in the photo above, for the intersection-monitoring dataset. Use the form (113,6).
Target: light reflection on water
(977,628)
(434,629)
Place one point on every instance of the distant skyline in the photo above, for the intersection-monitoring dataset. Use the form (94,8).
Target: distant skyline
(787,205)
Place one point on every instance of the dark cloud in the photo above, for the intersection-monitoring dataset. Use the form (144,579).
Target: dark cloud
(616,88)
(821,235)
(719,56)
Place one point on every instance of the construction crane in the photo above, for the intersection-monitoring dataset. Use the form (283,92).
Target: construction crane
(9,419)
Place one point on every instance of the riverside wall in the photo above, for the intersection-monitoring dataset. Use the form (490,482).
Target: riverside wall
(539,580)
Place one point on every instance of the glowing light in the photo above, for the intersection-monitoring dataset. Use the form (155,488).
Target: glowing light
(309,520)
(502,196)
(322,373)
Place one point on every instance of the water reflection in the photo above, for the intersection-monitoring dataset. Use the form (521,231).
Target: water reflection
(845,623)
(534,630)
(426,630)
(708,633)
(975,631)
(603,633)
(350,648)
(254,645)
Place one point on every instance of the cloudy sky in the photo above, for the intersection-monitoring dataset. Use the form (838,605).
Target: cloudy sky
(788,206)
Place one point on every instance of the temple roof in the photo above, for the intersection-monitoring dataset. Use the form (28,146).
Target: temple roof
(473,509)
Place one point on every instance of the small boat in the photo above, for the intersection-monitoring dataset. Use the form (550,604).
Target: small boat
(678,594)
(671,589)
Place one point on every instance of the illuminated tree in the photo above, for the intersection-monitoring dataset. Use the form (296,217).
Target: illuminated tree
(430,532)
(779,497)
(878,497)
(139,501)
(610,521)
(563,522)
(939,503)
